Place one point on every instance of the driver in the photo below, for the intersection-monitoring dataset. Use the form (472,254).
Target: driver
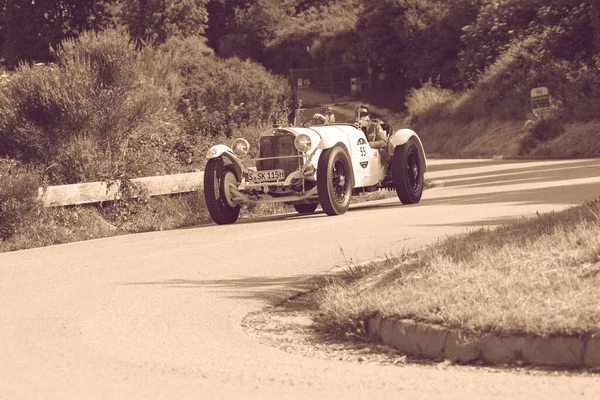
(376,138)
(373,131)
(319,119)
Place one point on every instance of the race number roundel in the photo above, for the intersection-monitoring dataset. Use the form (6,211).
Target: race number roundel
(362,152)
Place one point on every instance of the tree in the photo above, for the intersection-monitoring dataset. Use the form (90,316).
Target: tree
(28,29)
(221,19)
(320,35)
(154,21)
(595,22)
(567,27)
(411,41)
(253,25)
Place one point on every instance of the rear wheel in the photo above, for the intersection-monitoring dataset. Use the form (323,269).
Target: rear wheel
(306,208)
(334,181)
(407,172)
(218,179)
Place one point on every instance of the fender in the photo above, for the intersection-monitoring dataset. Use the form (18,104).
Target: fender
(224,152)
(329,141)
(401,136)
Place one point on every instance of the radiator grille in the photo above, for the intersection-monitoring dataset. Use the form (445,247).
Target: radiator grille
(278,146)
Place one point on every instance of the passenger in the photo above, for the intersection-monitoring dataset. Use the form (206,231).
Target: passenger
(329,115)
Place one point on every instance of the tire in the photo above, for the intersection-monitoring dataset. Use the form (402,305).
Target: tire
(216,178)
(407,172)
(306,208)
(334,181)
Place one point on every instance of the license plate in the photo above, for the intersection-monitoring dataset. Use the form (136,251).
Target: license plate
(266,176)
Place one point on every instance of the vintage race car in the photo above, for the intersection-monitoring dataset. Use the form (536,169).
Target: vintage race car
(310,165)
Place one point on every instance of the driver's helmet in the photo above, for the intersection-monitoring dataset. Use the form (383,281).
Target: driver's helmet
(329,110)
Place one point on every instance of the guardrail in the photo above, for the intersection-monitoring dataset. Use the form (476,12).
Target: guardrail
(96,192)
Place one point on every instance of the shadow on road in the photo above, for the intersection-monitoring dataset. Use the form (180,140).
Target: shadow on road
(272,290)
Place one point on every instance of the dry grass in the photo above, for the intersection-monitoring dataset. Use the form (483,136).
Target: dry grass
(48,226)
(540,276)
(477,138)
(579,140)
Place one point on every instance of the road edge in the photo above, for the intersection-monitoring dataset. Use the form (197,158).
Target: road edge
(436,342)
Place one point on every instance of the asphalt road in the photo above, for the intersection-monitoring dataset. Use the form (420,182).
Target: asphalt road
(158,315)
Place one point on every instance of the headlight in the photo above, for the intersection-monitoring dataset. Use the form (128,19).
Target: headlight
(240,147)
(303,143)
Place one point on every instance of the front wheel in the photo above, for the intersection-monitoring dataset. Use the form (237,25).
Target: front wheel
(407,172)
(334,181)
(218,179)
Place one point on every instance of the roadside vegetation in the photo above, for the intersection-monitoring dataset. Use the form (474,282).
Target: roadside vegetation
(110,90)
(105,90)
(540,276)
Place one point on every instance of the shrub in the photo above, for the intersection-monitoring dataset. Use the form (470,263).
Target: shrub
(580,93)
(566,26)
(503,91)
(136,212)
(429,102)
(92,115)
(230,95)
(579,140)
(172,62)
(547,128)
(18,194)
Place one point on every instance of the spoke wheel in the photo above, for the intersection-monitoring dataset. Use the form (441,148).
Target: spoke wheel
(407,172)
(334,181)
(218,179)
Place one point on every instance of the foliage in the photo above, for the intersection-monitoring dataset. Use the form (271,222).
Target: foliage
(91,115)
(29,29)
(538,277)
(429,102)
(278,34)
(567,27)
(221,19)
(318,36)
(18,192)
(415,40)
(579,140)
(171,63)
(155,21)
(503,90)
(231,94)
(252,24)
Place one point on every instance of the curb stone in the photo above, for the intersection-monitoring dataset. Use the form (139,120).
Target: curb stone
(436,342)
(591,355)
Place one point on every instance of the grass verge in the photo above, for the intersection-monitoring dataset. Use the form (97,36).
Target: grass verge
(540,276)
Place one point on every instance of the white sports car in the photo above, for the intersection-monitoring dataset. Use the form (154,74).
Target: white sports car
(311,165)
